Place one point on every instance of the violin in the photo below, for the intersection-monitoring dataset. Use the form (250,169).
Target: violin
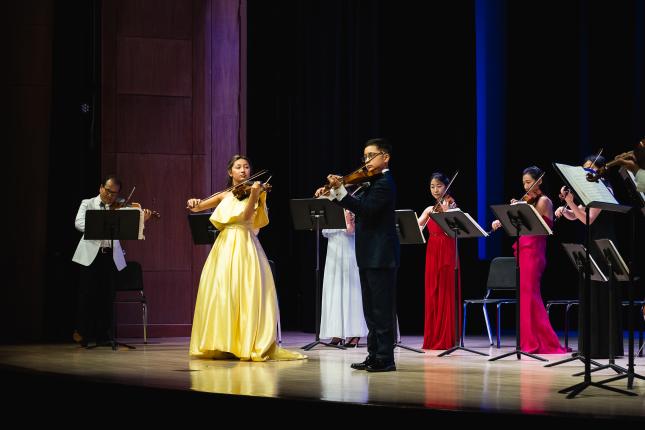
(243,191)
(602,171)
(242,186)
(564,202)
(532,199)
(121,203)
(362,174)
(447,199)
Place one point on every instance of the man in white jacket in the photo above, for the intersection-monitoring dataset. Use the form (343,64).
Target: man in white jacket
(99,265)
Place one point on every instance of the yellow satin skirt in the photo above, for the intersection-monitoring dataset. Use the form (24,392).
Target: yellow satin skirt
(236,312)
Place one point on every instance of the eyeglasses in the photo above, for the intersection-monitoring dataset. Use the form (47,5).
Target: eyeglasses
(109,191)
(370,155)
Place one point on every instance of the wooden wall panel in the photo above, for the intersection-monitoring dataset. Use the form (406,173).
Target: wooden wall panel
(163,183)
(109,14)
(161,125)
(162,19)
(171,121)
(225,129)
(154,66)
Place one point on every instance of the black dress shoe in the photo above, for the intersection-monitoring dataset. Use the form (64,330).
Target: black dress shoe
(381,366)
(363,365)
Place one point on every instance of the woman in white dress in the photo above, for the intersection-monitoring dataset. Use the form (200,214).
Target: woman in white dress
(342,304)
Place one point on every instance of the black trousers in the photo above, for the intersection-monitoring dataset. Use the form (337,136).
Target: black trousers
(95,297)
(378,287)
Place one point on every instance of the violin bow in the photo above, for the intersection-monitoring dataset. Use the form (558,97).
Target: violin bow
(250,178)
(534,184)
(134,187)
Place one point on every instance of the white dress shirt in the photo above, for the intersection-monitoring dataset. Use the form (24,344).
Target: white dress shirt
(87,250)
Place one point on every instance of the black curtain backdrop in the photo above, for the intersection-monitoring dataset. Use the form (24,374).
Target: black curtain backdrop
(325,76)
(574,87)
(74,160)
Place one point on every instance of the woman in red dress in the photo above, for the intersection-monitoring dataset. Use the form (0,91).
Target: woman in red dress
(537,335)
(439,321)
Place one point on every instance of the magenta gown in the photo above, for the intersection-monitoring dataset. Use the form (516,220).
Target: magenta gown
(537,335)
(439,321)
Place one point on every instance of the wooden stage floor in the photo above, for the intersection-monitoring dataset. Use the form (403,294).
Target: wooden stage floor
(460,382)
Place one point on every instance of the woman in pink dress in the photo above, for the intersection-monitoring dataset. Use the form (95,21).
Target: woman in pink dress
(537,335)
(439,321)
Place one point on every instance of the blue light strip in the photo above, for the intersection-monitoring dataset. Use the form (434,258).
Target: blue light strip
(480,65)
(490,61)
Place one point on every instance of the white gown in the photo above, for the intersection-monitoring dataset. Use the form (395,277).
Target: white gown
(342,303)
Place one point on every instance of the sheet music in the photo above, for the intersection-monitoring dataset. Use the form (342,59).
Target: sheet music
(587,191)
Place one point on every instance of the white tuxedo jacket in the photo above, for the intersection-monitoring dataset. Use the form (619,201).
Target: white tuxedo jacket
(87,250)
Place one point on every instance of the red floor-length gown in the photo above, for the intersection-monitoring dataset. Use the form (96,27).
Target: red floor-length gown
(439,322)
(536,334)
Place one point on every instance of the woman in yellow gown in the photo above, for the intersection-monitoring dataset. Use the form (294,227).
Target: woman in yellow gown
(236,310)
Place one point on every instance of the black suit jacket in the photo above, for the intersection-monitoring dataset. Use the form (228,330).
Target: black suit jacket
(377,242)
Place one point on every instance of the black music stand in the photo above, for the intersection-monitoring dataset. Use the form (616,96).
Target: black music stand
(202,229)
(407,228)
(638,200)
(459,225)
(112,225)
(520,219)
(592,195)
(315,215)
(619,271)
(577,254)
(620,274)
(637,197)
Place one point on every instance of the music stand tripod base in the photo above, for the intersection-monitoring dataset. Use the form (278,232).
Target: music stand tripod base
(320,342)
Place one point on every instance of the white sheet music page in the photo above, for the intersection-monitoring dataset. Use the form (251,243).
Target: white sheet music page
(587,191)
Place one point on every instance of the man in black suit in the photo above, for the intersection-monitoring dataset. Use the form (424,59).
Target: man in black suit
(377,252)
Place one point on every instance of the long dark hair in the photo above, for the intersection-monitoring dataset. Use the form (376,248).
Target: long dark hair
(229,167)
(535,172)
(443,179)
